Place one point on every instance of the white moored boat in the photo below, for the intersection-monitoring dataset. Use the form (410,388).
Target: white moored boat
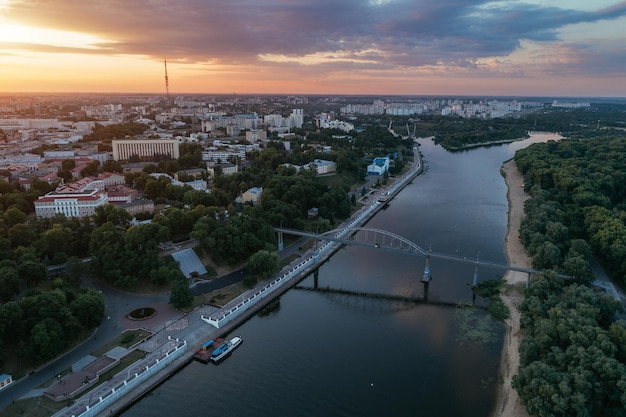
(225,349)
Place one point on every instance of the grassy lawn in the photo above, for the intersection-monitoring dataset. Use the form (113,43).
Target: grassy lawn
(126,339)
(222,296)
(34,407)
(339,180)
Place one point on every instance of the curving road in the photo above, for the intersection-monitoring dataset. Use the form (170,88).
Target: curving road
(117,305)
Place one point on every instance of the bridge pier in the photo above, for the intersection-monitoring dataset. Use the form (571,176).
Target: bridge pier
(281,242)
(425,290)
(426,277)
(475,281)
(474,284)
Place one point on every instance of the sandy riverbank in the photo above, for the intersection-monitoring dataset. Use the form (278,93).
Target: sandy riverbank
(508,403)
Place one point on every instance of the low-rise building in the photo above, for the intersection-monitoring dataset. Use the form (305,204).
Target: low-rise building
(146,149)
(255,135)
(139,205)
(224,155)
(252,195)
(121,194)
(70,204)
(379,166)
(227,168)
(5,380)
(322,167)
(198,185)
(111,178)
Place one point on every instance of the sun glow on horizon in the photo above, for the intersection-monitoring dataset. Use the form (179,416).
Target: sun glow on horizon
(12,33)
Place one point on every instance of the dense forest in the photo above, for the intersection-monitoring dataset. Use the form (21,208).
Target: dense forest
(573,352)
(573,355)
(578,205)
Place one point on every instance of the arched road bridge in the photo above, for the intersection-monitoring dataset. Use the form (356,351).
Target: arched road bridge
(383,240)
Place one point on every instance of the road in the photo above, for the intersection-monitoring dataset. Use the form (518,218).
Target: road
(117,304)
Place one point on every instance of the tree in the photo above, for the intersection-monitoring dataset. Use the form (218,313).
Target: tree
(47,340)
(12,320)
(9,283)
(578,267)
(13,216)
(111,213)
(618,336)
(164,274)
(180,296)
(190,160)
(548,256)
(32,272)
(264,263)
(111,165)
(66,175)
(55,240)
(5,187)
(74,269)
(88,307)
(68,164)
(194,198)
(90,170)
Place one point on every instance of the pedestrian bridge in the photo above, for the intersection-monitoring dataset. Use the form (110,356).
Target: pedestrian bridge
(383,240)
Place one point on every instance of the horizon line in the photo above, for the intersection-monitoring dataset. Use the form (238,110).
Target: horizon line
(3,93)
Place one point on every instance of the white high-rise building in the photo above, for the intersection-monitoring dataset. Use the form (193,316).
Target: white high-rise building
(297,118)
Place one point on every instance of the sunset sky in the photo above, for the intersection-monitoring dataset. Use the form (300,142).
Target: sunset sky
(412,47)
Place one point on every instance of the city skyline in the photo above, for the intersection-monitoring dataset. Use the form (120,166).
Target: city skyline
(412,47)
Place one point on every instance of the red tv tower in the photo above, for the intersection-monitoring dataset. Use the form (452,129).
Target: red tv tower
(167,85)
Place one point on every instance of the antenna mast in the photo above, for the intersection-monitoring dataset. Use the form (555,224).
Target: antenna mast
(167,85)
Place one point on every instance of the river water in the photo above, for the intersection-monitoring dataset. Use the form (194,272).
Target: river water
(322,353)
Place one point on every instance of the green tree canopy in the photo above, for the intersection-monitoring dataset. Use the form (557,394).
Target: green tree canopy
(264,264)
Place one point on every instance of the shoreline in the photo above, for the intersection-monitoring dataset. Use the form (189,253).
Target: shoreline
(507,402)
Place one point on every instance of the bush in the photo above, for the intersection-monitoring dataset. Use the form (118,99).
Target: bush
(498,309)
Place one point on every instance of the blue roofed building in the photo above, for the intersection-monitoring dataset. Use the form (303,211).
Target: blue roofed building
(379,166)
(252,195)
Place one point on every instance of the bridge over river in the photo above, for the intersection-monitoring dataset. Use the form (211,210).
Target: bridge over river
(386,241)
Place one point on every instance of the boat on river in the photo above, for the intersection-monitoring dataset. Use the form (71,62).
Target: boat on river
(225,349)
(204,353)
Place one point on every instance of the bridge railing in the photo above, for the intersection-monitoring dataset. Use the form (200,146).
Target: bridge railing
(244,301)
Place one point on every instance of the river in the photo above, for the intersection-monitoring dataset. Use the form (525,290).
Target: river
(327,354)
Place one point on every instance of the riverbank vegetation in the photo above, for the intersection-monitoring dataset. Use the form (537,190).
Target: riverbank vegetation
(490,290)
(572,356)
